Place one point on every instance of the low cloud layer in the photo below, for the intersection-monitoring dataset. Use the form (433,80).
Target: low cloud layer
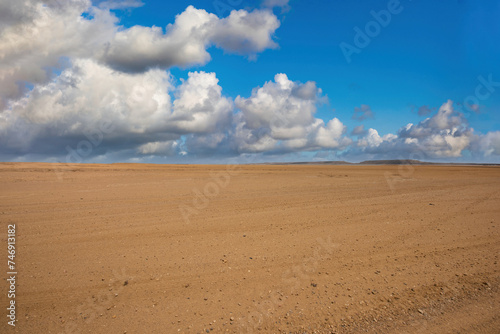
(144,111)
(444,135)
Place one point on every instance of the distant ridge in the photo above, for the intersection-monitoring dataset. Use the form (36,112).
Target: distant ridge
(308,163)
(367,162)
(395,162)
(380,162)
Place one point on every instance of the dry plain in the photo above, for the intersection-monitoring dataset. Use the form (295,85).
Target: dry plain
(130,248)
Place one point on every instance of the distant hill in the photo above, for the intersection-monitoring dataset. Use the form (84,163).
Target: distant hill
(395,162)
(367,162)
(308,163)
(323,163)
(380,162)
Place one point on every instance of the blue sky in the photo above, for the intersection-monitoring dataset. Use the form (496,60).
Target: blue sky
(428,56)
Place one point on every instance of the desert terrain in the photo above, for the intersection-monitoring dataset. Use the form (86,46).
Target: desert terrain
(130,248)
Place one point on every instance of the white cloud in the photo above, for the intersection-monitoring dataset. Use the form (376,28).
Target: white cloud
(280,116)
(199,106)
(444,135)
(139,108)
(245,33)
(489,143)
(185,42)
(38,36)
(69,73)
(138,48)
(158,148)
(373,139)
(331,135)
(84,96)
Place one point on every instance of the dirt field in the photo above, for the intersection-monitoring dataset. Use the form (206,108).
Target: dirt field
(243,249)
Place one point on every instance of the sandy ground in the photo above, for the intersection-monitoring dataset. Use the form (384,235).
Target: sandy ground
(243,249)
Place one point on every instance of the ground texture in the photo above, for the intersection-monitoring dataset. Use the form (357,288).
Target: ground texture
(259,248)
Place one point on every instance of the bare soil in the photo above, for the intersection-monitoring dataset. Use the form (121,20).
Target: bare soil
(127,248)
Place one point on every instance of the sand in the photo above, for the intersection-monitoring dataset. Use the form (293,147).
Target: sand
(128,248)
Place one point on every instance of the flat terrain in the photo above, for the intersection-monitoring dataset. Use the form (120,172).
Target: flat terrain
(127,248)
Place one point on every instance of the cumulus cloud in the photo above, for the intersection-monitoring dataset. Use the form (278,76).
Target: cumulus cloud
(331,135)
(444,135)
(488,144)
(373,139)
(138,108)
(158,148)
(199,106)
(73,80)
(362,113)
(217,143)
(280,116)
(245,33)
(185,42)
(38,36)
(41,35)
